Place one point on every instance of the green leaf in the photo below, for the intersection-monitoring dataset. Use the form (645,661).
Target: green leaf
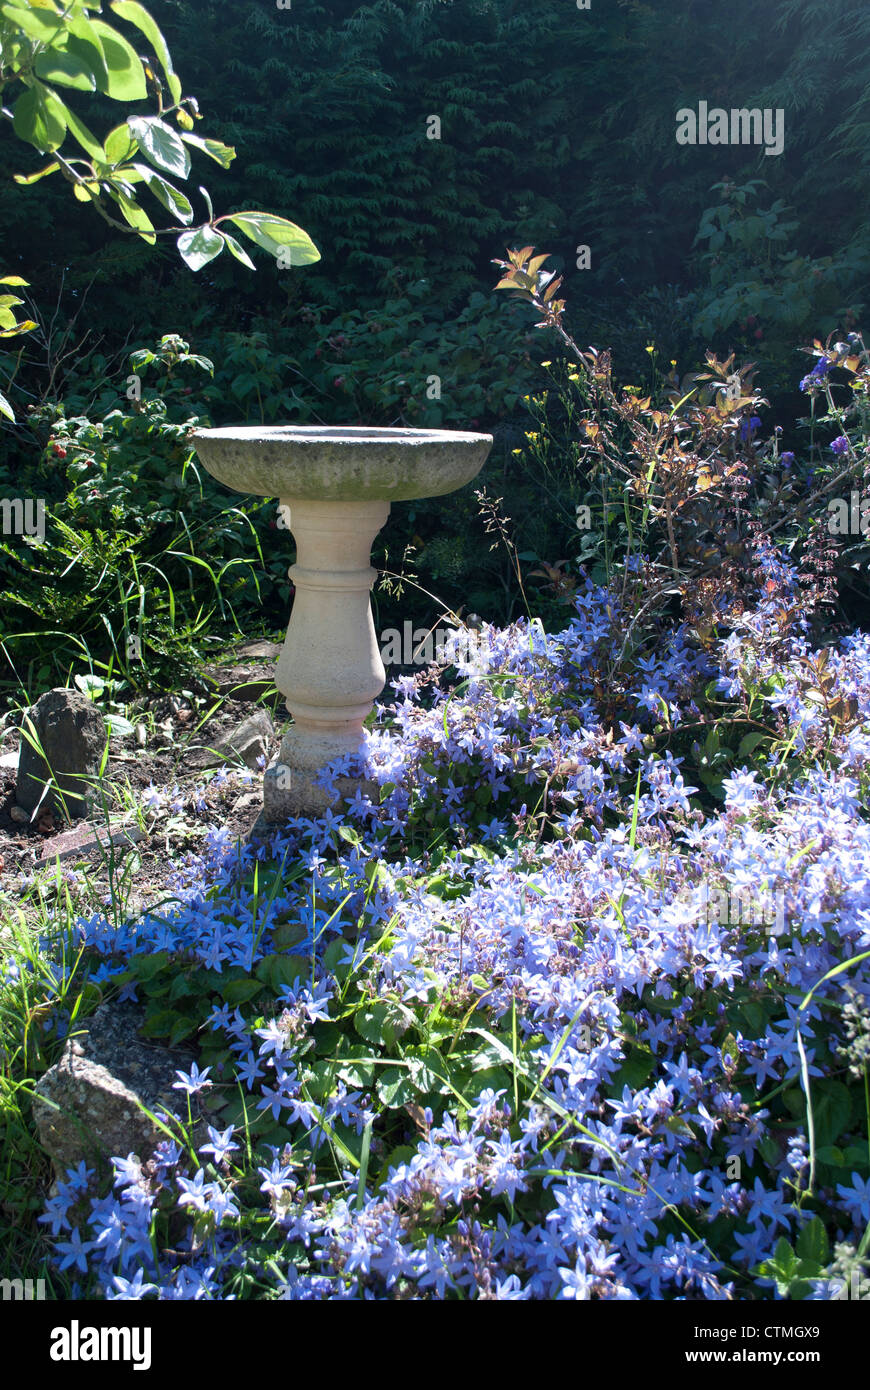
(634,1072)
(215,149)
(92,686)
(795,1101)
(65,68)
(783,1254)
(88,142)
(749,742)
(40,174)
(169,196)
(126,75)
(39,118)
(356,1073)
(239,991)
(169,1023)
(829,1153)
(812,1243)
(678,1125)
(182,1028)
(135,215)
(145,968)
(333,954)
(755,1017)
(280,971)
(118,726)
(38,23)
(25,326)
(6,408)
(382,1022)
(395,1087)
(136,14)
(161,145)
(120,144)
(855,1155)
(83,43)
(236,250)
(182,988)
(832,1106)
(199,247)
(276,234)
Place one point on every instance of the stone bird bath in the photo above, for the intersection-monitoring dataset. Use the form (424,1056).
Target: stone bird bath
(337,482)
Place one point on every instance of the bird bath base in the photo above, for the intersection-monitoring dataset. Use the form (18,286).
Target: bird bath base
(330,669)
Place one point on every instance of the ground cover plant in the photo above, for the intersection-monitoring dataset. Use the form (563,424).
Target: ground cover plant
(481,1036)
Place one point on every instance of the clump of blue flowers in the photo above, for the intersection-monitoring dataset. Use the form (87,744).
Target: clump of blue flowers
(478,1034)
(817,378)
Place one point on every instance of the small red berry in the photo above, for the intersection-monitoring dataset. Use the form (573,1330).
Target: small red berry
(339,381)
(759,332)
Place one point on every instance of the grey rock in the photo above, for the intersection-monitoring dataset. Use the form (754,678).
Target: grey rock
(248,741)
(72,733)
(250,681)
(261,650)
(248,674)
(89,1104)
(83,839)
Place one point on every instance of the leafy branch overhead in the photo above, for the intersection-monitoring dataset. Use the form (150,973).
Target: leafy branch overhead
(49,45)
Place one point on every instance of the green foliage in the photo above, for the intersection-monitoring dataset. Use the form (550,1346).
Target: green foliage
(759,285)
(407,362)
(677,482)
(329,109)
(139,543)
(42,44)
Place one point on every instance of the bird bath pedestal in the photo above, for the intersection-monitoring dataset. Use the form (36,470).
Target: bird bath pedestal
(337,484)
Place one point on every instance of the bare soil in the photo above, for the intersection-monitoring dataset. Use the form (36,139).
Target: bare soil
(153,843)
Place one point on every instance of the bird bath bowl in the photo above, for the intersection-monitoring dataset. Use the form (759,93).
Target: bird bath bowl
(337,483)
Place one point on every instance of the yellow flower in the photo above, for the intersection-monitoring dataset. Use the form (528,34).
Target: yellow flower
(650,347)
(546,364)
